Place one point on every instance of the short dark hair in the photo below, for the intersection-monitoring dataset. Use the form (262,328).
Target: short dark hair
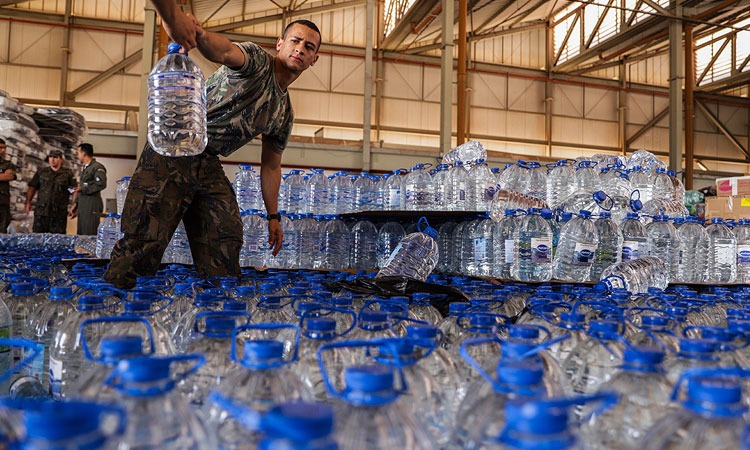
(2,141)
(307,24)
(87,148)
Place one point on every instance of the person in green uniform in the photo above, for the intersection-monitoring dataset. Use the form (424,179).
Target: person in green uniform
(7,174)
(245,98)
(89,205)
(55,184)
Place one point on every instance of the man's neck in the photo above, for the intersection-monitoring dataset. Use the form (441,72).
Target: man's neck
(284,77)
(87,161)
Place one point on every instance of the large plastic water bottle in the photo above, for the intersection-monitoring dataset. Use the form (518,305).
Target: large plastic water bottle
(66,358)
(609,250)
(445,247)
(644,398)
(254,239)
(679,188)
(594,361)
(177,106)
(292,193)
(49,318)
(419,190)
(722,253)
(107,235)
(440,180)
(121,193)
(642,182)
(662,243)
(336,244)
(178,250)
(247,188)
(364,192)
(635,275)
(341,192)
(415,256)
(663,187)
(477,258)
(559,185)
(693,252)
(389,235)
(480,180)
(364,253)
(587,176)
(468,151)
(392,191)
(287,257)
(634,237)
(458,185)
(145,387)
(710,416)
(742,232)
(318,201)
(505,244)
(309,240)
(536,180)
(533,248)
(576,249)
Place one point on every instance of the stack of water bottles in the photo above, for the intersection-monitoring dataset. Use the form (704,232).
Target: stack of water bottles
(289,359)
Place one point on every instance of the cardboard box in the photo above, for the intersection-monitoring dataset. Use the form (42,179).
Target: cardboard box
(726,187)
(734,207)
(743,186)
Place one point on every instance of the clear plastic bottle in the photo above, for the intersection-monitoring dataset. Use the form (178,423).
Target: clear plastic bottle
(468,151)
(318,200)
(644,398)
(679,188)
(445,247)
(642,182)
(48,319)
(336,245)
(364,190)
(594,361)
(662,185)
(634,238)
(415,256)
(693,252)
(419,190)
(177,106)
(458,184)
(287,258)
(389,235)
(480,179)
(722,253)
(254,239)
(609,250)
(559,186)
(178,251)
(742,232)
(505,244)
(536,180)
(587,176)
(441,180)
(341,192)
(576,249)
(107,235)
(121,193)
(532,260)
(662,243)
(146,389)
(635,275)
(364,254)
(309,240)
(247,188)
(292,197)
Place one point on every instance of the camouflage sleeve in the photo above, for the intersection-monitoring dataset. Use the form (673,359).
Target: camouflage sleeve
(254,58)
(280,139)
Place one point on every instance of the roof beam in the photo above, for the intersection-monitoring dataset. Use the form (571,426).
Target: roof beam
(402,29)
(475,38)
(651,123)
(97,80)
(715,120)
(292,13)
(75,21)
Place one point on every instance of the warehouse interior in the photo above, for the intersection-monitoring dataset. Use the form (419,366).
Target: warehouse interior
(540,79)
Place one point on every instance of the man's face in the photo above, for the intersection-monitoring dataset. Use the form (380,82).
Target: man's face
(81,155)
(55,162)
(298,50)
(2,149)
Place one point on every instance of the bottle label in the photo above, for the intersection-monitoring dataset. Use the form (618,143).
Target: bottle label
(541,250)
(480,249)
(461,191)
(743,255)
(394,197)
(55,377)
(510,248)
(629,250)
(583,255)
(36,366)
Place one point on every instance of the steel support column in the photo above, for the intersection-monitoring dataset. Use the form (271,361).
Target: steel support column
(676,78)
(548,98)
(461,89)
(446,78)
(149,35)
(689,105)
(622,110)
(367,116)
(65,53)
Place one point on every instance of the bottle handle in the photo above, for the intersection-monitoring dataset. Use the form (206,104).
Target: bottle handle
(266,326)
(29,356)
(249,418)
(328,310)
(105,320)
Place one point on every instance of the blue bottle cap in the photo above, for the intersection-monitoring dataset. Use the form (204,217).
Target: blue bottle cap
(116,347)
(58,421)
(585,214)
(599,196)
(298,422)
(698,346)
(263,350)
(137,307)
(87,301)
(143,369)
(524,372)
(144,295)
(420,331)
(219,325)
(22,288)
(245,291)
(60,292)
(643,356)
(655,321)
(456,308)
(481,320)
(173,47)
(369,378)
(714,390)
(421,297)
(320,324)
(234,306)
(520,331)
(374,316)
(535,418)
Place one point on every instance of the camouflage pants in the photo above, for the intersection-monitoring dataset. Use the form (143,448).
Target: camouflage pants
(5,218)
(49,224)
(162,192)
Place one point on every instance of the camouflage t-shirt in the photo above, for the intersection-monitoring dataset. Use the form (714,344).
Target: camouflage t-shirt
(245,103)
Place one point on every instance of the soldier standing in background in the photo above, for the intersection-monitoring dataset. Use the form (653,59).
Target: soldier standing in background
(7,174)
(55,184)
(89,205)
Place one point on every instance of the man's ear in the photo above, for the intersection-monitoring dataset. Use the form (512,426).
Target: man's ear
(279,41)
(315,59)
